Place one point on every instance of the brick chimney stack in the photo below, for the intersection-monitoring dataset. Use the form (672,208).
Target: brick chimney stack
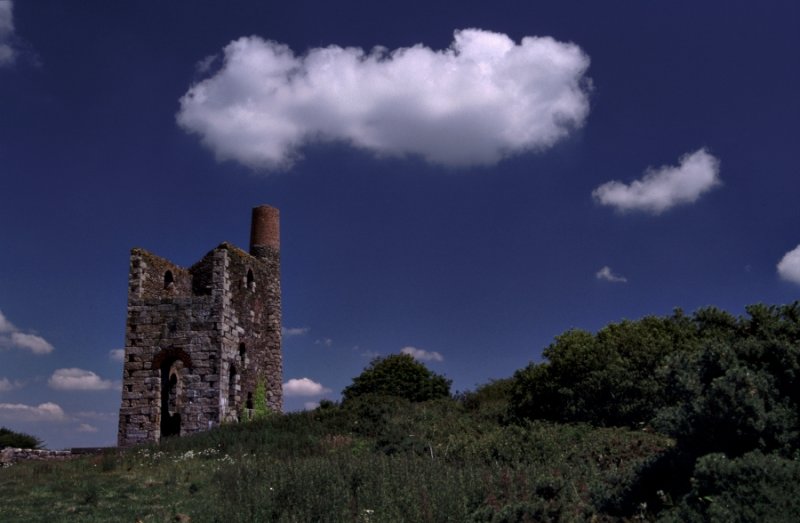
(265,233)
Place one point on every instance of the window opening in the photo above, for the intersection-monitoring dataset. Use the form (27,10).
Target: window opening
(232,378)
(171,398)
(169,280)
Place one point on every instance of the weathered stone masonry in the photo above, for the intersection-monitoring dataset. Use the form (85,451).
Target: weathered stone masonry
(199,340)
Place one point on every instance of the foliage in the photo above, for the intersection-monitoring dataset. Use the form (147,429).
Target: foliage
(723,387)
(9,438)
(753,487)
(490,400)
(360,461)
(260,409)
(398,375)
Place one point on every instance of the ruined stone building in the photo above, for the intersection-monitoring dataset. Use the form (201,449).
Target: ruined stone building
(198,341)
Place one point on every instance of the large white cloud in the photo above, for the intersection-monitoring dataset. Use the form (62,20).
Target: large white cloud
(11,336)
(421,355)
(789,266)
(665,187)
(483,98)
(78,379)
(304,387)
(7,54)
(20,412)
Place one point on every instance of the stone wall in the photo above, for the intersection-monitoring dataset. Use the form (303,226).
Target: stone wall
(9,455)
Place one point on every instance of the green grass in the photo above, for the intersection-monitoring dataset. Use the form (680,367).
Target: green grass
(373,461)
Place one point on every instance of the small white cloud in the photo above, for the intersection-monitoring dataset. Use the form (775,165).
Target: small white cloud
(665,187)
(421,355)
(32,342)
(85,427)
(7,53)
(484,98)
(294,331)
(78,379)
(7,385)
(11,336)
(116,355)
(304,387)
(93,414)
(370,354)
(325,342)
(311,405)
(789,266)
(43,412)
(606,274)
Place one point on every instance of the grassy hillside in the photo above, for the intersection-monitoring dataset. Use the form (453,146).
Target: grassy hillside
(375,460)
(682,418)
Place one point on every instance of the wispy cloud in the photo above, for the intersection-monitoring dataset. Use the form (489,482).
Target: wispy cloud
(665,187)
(325,342)
(421,355)
(289,332)
(116,355)
(11,336)
(21,412)
(7,53)
(789,266)
(606,274)
(78,379)
(5,325)
(85,427)
(7,385)
(482,99)
(304,387)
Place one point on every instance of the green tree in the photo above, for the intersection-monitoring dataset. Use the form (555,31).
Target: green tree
(398,375)
(9,438)
(608,378)
(738,394)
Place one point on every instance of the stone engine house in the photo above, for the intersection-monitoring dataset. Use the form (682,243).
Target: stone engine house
(198,341)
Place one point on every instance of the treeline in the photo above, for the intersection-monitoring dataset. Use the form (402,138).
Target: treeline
(726,389)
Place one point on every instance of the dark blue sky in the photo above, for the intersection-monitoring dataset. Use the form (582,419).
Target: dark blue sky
(481,263)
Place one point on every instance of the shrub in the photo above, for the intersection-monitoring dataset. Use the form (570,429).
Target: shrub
(9,438)
(754,487)
(398,375)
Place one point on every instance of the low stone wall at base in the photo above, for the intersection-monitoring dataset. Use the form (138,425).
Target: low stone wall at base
(9,456)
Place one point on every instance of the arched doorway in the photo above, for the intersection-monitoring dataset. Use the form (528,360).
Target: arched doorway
(171,397)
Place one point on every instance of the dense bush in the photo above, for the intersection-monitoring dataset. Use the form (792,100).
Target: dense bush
(9,438)
(753,487)
(726,388)
(398,375)
(608,378)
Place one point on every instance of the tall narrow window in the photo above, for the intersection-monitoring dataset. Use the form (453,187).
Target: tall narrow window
(169,280)
(232,378)
(242,353)
(251,281)
(171,397)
